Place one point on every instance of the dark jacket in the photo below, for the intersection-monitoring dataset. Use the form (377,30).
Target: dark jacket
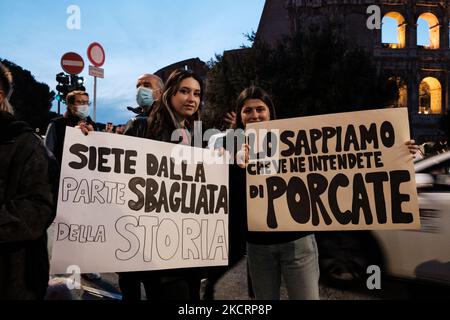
(56,132)
(26,211)
(238,212)
(137,126)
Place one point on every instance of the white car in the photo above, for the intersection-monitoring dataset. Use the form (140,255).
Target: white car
(414,254)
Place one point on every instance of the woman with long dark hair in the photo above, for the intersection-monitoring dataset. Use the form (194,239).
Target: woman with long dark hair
(171,120)
(272,255)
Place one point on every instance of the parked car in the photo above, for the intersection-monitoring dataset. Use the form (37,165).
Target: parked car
(411,254)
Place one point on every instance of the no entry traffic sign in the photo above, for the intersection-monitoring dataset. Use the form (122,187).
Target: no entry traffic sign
(72,63)
(96,54)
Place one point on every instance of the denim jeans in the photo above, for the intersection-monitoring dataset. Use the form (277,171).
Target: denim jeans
(295,261)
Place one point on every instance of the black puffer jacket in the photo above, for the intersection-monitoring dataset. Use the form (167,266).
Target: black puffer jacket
(26,211)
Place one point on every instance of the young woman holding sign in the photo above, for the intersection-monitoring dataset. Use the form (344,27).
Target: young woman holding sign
(272,255)
(177,108)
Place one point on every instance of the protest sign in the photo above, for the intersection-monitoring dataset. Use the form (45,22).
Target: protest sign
(129,204)
(348,171)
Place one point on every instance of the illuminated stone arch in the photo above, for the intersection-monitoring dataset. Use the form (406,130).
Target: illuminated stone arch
(430,96)
(400,29)
(433,29)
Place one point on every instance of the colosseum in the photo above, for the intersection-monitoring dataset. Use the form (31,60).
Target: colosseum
(421,70)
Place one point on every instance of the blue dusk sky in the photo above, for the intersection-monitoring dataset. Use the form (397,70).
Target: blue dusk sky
(139,36)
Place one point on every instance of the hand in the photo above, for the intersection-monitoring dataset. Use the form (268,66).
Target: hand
(242,157)
(220,152)
(230,118)
(85,127)
(413,148)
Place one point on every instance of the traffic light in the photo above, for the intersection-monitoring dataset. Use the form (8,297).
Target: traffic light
(62,87)
(62,78)
(77,83)
(68,83)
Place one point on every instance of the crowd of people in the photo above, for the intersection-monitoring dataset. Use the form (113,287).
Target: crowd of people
(29,173)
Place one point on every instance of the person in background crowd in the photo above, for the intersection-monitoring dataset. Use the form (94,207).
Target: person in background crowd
(77,115)
(27,205)
(120,129)
(149,89)
(109,127)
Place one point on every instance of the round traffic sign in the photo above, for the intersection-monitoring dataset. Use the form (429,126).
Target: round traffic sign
(96,54)
(72,63)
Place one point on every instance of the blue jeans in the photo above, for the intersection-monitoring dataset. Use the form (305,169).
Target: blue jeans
(295,261)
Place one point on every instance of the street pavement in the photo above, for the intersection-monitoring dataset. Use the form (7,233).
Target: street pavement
(232,286)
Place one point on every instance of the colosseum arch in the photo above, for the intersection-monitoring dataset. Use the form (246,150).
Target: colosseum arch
(433,29)
(430,96)
(399,30)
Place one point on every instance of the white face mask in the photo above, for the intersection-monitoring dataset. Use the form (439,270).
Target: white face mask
(82,112)
(144,97)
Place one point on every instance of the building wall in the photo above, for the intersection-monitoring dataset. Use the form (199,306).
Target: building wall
(411,63)
(194,64)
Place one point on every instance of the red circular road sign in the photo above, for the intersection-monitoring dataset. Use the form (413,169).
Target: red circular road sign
(96,54)
(72,63)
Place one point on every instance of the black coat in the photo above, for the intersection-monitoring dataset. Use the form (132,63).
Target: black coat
(26,211)
(238,211)
(56,133)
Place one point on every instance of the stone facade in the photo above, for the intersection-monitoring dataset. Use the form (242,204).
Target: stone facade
(194,64)
(415,67)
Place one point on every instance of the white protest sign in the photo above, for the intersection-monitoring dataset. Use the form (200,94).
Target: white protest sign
(129,204)
(348,171)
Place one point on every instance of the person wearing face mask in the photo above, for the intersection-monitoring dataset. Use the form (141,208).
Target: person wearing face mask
(149,88)
(77,115)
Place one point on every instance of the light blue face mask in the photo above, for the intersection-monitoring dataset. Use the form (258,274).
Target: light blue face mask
(144,97)
(82,112)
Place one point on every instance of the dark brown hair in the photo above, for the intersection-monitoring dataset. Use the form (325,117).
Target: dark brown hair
(162,116)
(253,92)
(5,79)
(6,83)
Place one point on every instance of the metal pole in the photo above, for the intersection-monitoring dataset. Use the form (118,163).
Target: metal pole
(95,99)
(59,107)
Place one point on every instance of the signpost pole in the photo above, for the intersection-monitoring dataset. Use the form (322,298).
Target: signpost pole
(96,55)
(95,99)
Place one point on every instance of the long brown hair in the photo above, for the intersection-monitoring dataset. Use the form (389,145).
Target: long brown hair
(162,116)
(6,86)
